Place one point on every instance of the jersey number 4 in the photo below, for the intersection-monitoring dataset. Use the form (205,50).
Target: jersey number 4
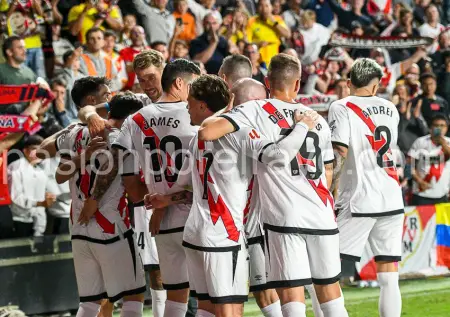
(158,148)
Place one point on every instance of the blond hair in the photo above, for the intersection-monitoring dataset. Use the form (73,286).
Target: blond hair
(148,58)
(308,15)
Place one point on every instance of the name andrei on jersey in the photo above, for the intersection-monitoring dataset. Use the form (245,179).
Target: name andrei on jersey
(377,110)
(162,121)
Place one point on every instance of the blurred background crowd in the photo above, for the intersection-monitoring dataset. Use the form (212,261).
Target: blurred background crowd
(55,42)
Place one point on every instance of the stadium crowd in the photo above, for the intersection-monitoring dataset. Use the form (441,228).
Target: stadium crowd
(53,43)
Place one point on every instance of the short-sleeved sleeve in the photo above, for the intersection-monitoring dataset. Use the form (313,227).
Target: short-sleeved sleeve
(63,142)
(74,13)
(339,124)
(328,154)
(130,165)
(240,116)
(250,141)
(124,140)
(414,151)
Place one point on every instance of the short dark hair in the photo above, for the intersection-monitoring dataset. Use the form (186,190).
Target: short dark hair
(176,69)
(363,71)
(109,33)
(426,76)
(283,69)
(66,55)
(8,44)
(212,90)
(87,86)
(58,82)
(124,104)
(156,43)
(33,140)
(93,30)
(236,67)
(439,116)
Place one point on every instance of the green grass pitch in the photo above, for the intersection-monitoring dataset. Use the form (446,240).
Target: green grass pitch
(421,298)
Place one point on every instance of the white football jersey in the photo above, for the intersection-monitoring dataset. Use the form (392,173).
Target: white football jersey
(294,197)
(369,184)
(112,217)
(221,174)
(431,166)
(160,135)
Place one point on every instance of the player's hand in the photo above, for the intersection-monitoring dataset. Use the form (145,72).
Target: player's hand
(89,208)
(153,201)
(423,185)
(155,220)
(96,125)
(49,199)
(96,144)
(309,117)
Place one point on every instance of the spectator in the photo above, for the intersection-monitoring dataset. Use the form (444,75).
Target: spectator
(182,16)
(162,48)
(411,125)
(127,54)
(292,16)
(69,74)
(428,103)
(21,22)
(430,158)
(235,67)
(438,58)
(181,50)
(129,22)
(419,11)
(266,31)
(158,23)
(432,28)
(28,192)
(86,16)
(109,49)
(95,62)
(411,80)
(276,7)
(14,71)
(341,88)
(444,78)
(237,30)
(258,72)
(325,15)
(201,66)
(59,212)
(406,21)
(201,10)
(394,19)
(60,46)
(314,36)
(58,107)
(346,17)
(210,48)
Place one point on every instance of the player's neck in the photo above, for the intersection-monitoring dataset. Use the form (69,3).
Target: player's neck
(362,92)
(169,97)
(115,123)
(285,96)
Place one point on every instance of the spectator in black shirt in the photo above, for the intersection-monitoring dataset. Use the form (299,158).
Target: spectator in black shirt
(438,58)
(444,77)
(345,17)
(428,103)
(210,48)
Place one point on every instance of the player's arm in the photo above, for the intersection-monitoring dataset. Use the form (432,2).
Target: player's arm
(340,138)
(329,174)
(214,128)
(131,179)
(162,201)
(93,117)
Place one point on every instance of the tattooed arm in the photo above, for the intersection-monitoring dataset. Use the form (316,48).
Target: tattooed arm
(161,201)
(340,154)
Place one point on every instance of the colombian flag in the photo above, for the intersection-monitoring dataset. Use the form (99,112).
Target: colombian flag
(443,234)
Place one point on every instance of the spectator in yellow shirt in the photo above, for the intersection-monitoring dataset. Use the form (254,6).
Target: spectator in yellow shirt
(85,16)
(265,30)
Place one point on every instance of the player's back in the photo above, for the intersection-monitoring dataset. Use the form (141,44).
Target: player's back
(161,134)
(368,126)
(221,174)
(112,217)
(295,195)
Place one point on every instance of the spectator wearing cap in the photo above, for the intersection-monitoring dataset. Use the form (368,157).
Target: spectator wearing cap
(314,36)
(428,103)
(86,16)
(346,17)
(432,28)
(157,21)
(200,10)
(128,53)
(210,48)
(181,15)
(252,52)
(266,31)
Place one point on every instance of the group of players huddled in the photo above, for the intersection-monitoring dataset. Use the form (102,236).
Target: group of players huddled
(232,186)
